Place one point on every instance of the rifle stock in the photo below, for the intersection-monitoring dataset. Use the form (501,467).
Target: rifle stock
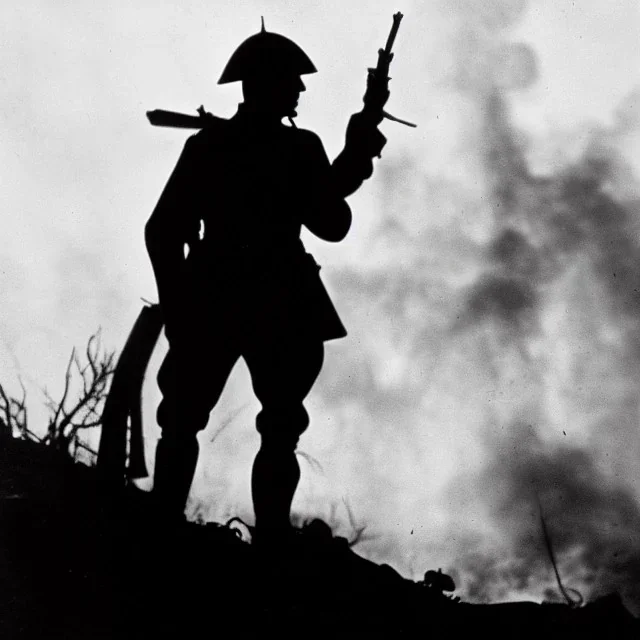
(163,118)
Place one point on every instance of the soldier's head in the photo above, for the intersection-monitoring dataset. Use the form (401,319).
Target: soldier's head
(269,67)
(276,94)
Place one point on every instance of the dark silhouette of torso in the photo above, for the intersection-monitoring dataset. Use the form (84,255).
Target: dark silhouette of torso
(242,191)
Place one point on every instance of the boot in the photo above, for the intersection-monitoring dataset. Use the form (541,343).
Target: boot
(174,469)
(274,480)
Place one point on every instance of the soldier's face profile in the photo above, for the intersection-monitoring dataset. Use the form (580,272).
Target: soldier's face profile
(289,90)
(277,93)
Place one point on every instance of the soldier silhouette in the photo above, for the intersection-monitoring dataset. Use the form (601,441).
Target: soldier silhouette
(234,205)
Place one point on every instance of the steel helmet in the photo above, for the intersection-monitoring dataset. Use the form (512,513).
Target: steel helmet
(263,53)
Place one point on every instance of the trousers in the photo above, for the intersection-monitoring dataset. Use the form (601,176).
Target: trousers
(282,374)
(192,377)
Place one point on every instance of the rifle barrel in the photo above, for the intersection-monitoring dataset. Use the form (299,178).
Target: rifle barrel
(394,31)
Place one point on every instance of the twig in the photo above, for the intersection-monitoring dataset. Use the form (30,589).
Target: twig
(227,421)
(313,462)
(85,413)
(15,412)
(359,530)
(547,540)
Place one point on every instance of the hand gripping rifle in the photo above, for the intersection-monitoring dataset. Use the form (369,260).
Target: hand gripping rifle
(378,80)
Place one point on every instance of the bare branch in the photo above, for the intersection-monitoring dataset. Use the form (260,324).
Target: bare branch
(92,381)
(58,407)
(358,530)
(6,407)
(88,425)
(21,413)
(92,411)
(14,411)
(73,433)
(92,352)
(81,404)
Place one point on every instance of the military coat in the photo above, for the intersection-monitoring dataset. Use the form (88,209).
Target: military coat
(239,196)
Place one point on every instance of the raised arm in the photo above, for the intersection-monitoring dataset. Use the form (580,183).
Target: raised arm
(327,214)
(354,164)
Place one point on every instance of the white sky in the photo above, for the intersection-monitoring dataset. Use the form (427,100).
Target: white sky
(81,169)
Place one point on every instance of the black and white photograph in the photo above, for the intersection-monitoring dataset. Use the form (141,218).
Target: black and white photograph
(319,319)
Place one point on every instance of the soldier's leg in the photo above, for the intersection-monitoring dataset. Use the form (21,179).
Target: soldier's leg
(191,381)
(282,376)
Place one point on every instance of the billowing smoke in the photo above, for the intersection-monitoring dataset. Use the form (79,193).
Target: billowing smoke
(592,522)
(494,344)
(490,370)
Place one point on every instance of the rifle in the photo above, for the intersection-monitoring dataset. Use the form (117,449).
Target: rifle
(378,80)
(162,118)
(122,410)
(374,97)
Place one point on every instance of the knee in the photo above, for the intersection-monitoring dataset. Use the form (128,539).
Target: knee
(185,406)
(178,421)
(281,427)
(279,444)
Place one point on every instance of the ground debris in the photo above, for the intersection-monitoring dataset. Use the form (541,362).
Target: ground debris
(75,567)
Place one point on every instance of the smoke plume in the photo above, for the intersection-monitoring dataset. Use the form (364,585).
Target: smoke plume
(494,342)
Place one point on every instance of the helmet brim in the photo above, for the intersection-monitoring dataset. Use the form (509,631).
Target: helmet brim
(266,53)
